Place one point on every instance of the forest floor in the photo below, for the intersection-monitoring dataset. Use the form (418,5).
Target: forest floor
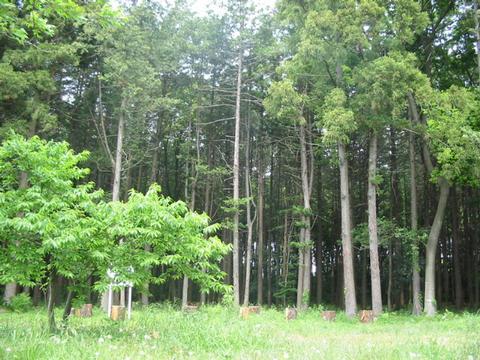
(161,332)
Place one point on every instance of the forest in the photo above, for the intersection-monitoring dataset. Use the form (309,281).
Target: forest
(313,154)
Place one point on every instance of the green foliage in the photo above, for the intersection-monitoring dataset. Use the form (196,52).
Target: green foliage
(20,303)
(337,120)
(284,102)
(453,133)
(182,241)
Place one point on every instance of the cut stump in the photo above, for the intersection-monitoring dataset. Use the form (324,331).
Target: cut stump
(290,314)
(118,313)
(329,315)
(245,311)
(86,310)
(254,309)
(190,308)
(366,316)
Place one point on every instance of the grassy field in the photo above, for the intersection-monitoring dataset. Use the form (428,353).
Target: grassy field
(218,333)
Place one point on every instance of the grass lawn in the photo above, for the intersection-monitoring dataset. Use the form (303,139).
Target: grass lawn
(218,333)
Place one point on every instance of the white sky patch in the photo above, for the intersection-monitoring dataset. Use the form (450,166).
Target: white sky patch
(202,7)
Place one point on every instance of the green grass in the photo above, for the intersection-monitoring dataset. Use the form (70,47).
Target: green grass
(218,333)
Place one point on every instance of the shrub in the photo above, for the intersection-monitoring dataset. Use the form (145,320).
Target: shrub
(20,303)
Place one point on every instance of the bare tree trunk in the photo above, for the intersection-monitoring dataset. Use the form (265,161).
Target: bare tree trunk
(51,301)
(477,33)
(319,242)
(348,272)
(117,173)
(261,195)
(459,296)
(372,227)
(430,307)
(118,154)
(236,185)
(417,306)
(305,261)
(246,294)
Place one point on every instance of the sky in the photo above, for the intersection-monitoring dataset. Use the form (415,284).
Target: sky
(201,6)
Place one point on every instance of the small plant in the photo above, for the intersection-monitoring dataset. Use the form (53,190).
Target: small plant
(20,303)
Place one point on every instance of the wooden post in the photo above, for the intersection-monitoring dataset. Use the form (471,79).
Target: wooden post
(254,309)
(329,315)
(129,302)
(290,313)
(86,310)
(366,316)
(117,312)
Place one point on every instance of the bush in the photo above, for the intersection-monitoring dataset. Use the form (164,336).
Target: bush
(20,303)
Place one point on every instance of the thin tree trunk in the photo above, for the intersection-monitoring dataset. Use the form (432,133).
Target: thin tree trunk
(260,223)
(348,272)
(417,306)
(372,227)
(68,306)
(236,185)
(305,261)
(51,302)
(117,173)
(477,33)
(319,242)
(459,297)
(430,306)
(246,294)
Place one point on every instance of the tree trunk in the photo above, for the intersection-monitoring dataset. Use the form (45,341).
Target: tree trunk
(248,260)
(305,261)
(260,223)
(430,307)
(51,302)
(68,306)
(117,173)
(319,242)
(459,297)
(477,33)
(372,227)
(348,272)
(236,185)
(416,303)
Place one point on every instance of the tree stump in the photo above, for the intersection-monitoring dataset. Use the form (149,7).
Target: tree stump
(290,314)
(329,315)
(366,316)
(118,313)
(254,309)
(86,310)
(244,312)
(190,308)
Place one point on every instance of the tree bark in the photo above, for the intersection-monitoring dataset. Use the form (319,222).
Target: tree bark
(236,185)
(260,223)
(416,303)
(246,294)
(305,261)
(477,33)
(51,302)
(348,272)
(459,297)
(430,306)
(372,227)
